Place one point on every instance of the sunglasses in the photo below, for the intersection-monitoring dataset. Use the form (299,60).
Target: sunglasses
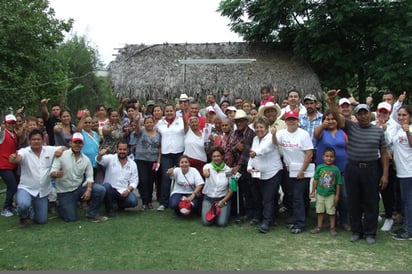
(78,142)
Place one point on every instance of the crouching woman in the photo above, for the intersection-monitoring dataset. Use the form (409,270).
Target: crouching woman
(216,190)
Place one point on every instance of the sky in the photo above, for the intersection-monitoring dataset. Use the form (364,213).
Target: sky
(111,24)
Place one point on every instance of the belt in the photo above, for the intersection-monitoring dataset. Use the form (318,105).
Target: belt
(364,164)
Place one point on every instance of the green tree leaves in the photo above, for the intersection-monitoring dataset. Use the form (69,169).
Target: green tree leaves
(29,34)
(349,43)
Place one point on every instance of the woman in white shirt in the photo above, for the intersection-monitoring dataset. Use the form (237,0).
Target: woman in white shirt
(402,156)
(188,184)
(195,144)
(266,169)
(297,150)
(216,189)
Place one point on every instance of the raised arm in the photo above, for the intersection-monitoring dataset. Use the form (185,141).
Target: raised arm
(44,109)
(331,99)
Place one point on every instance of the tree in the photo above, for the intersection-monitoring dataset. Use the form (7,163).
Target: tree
(351,44)
(29,36)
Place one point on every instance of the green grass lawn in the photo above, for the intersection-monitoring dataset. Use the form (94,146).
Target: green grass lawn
(151,240)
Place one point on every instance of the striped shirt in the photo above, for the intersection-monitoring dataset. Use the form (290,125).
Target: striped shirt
(364,142)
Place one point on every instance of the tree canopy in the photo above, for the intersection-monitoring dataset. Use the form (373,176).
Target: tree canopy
(29,36)
(351,44)
(37,62)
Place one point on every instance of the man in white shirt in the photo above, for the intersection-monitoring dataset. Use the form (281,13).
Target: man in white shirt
(74,182)
(34,186)
(294,103)
(120,180)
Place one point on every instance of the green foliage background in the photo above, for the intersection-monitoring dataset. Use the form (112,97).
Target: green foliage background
(358,46)
(36,62)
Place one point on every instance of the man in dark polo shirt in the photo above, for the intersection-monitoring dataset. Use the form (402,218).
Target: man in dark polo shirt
(362,171)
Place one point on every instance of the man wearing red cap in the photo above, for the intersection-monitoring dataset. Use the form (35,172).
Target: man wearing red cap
(8,146)
(74,174)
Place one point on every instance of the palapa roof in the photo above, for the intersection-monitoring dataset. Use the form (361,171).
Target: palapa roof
(156,71)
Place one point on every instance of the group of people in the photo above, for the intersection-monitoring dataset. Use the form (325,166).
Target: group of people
(224,160)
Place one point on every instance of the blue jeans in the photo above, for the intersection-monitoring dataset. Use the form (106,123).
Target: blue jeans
(268,189)
(112,195)
(67,202)
(175,199)
(39,205)
(222,219)
(168,161)
(299,189)
(406,194)
(9,177)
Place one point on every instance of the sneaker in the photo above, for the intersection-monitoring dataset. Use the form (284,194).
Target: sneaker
(161,208)
(283,209)
(380,219)
(296,230)
(150,206)
(403,236)
(6,213)
(398,231)
(290,226)
(263,228)
(143,208)
(355,237)
(97,219)
(387,225)
(370,239)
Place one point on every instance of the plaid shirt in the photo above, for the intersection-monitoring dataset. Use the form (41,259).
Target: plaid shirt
(310,125)
(246,137)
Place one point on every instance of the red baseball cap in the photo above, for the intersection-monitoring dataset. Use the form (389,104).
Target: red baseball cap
(291,114)
(212,213)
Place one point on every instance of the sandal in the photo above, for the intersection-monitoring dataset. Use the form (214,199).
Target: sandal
(316,230)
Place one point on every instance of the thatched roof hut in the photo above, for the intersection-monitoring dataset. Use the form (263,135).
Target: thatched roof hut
(160,71)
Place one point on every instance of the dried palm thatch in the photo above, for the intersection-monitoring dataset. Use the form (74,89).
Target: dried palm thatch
(154,71)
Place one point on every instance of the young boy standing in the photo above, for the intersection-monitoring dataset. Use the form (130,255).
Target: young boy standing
(326,183)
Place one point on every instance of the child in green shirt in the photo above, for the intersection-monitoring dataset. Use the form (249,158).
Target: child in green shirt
(326,182)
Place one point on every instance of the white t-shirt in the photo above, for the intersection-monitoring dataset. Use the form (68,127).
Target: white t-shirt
(186,183)
(195,146)
(402,154)
(294,145)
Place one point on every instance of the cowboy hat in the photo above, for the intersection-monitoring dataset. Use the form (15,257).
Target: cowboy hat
(269,105)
